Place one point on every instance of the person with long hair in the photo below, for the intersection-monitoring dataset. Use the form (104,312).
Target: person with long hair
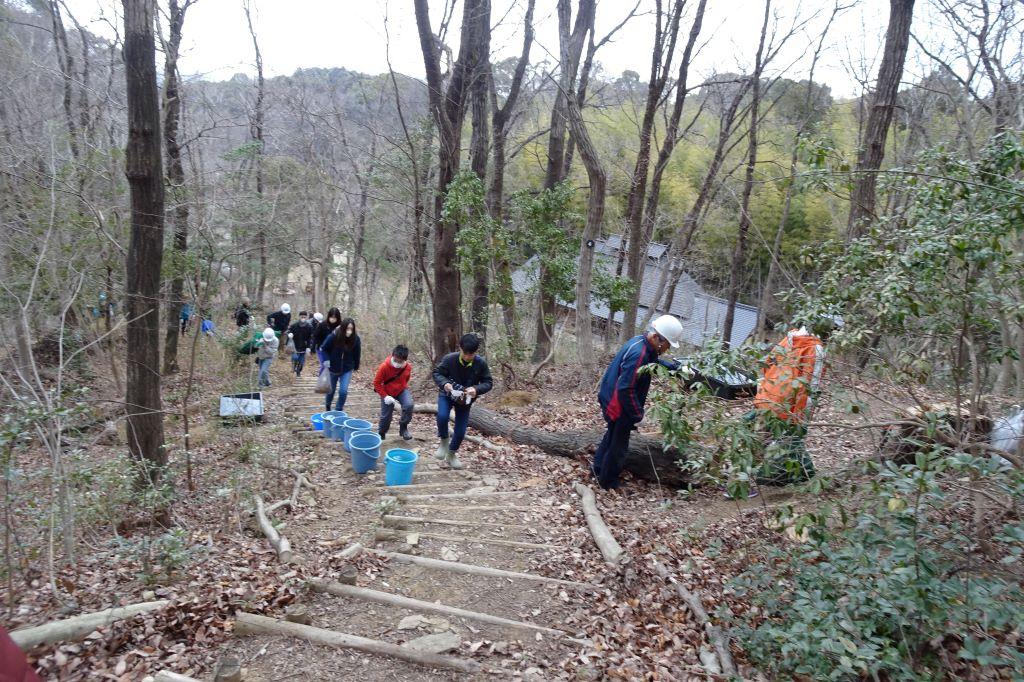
(343,349)
(322,331)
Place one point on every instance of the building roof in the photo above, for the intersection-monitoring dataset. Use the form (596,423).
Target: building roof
(701,314)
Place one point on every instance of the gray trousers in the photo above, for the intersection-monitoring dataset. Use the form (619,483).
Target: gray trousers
(386,411)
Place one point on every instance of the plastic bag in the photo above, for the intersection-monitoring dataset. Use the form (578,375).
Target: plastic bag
(323,382)
(290,347)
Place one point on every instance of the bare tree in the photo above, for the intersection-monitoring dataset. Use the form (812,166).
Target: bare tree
(175,178)
(143,169)
(256,131)
(448,107)
(883,102)
(479,147)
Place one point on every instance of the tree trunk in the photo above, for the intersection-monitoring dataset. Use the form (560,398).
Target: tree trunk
(739,255)
(644,451)
(665,33)
(175,180)
(883,102)
(448,107)
(595,218)
(143,169)
(256,133)
(478,152)
(556,168)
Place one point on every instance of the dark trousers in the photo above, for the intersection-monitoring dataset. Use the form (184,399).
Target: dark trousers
(444,406)
(387,411)
(611,453)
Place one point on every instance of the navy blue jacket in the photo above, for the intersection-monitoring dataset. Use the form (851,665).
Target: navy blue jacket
(341,360)
(623,390)
(451,371)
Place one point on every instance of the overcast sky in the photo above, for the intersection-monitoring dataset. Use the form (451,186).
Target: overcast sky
(353,34)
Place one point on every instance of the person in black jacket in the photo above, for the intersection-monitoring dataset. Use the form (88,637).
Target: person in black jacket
(343,350)
(300,333)
(322,331)
(461,378)
(242,315)
(280,322)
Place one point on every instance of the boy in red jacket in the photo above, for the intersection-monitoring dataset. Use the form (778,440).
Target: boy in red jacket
(392,385)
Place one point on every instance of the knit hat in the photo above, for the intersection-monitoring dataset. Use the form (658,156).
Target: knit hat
(285,308)
(268,334)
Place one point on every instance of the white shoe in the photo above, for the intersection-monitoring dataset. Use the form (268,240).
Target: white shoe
(442,449)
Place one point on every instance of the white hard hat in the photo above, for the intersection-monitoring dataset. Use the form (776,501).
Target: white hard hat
(285,308)
(670,329)
(268,334)
(318,317)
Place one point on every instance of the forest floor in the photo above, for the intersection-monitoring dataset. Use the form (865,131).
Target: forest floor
(214,564)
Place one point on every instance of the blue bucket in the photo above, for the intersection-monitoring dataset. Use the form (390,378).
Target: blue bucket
(338,428)
(351,426)
(399,466)
(329,423)
(318,421)
(365,449)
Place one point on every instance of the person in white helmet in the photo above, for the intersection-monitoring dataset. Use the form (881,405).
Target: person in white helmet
(268,346)
(623,392)
(280,321)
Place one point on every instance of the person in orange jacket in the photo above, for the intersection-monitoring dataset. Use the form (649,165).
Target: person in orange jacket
(392,385)
(785,398)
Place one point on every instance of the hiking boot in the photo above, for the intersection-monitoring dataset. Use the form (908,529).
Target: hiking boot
(404,433)
(382,434)
(442,449)
(452,460)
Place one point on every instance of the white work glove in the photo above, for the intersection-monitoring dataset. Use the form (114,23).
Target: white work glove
(388,400)
(455,394)
(290,335)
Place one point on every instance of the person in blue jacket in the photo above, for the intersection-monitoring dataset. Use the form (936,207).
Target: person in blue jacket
(461,378)
(342,349)
(623,392)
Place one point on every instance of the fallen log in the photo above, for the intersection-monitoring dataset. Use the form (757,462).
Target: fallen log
(647,457)
(276,540)
(78,627)
(401,602)
(718,639)
(253,624)
(611,550)
(385,535)
(473,569)
(400,522)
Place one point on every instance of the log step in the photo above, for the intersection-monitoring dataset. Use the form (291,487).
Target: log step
(385,535)
(399,601)
(474,569)
(397,521)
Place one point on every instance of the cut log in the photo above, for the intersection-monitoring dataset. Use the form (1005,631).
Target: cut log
(168,676)
(78,627)
(297,613)
(452,496)
(402,521)
(603,538)
(229,669)
(436,484)
(351,551)
(647,457)
(401,602)
(384,534)
(473,569)
(458,507)
(276,540)
(253,624)
(717,638)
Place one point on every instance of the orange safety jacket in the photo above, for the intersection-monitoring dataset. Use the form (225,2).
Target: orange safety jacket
(794,369)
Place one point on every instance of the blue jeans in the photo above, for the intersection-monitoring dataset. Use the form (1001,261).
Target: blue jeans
(339,383)
(386,411)
(264,375)
(298,362)
(444,406)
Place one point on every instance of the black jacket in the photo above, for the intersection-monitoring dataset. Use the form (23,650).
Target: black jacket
(301,333)
(320,334)
(242,316)
(342,360)
(279,321)
(451,371)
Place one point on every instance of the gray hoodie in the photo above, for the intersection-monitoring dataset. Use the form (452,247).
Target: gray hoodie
(267,349)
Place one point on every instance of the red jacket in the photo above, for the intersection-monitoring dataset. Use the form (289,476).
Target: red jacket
(390,381)
(13,665)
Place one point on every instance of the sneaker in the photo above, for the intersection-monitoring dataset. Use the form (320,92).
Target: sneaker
(382,434)
(404,433)
(442,449)
(453,461)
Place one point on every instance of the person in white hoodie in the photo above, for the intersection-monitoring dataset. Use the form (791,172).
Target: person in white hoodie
(265,356)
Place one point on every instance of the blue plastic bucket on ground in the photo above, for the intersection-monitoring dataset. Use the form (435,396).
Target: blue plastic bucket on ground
(318,421)
(399,465)
(338,428)
(328,416)
(351,426)
(365,449)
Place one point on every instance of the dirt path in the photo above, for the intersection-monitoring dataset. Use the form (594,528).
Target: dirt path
(470,518)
